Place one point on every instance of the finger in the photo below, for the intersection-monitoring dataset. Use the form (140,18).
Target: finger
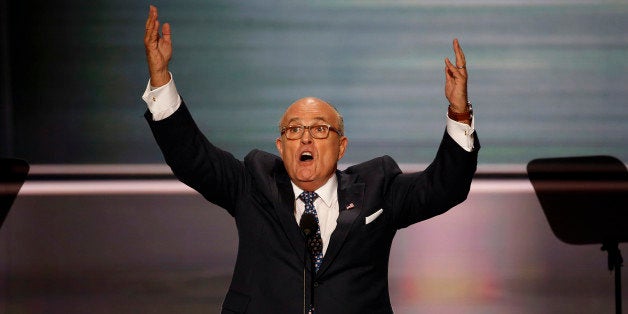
(460,59)
(449,82)
(152,17)
(452,70)
(148,19)
(166,32)
(152,26)
(152,34)
(453,75)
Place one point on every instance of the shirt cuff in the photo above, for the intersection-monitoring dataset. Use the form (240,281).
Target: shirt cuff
(162,101)
(462,133)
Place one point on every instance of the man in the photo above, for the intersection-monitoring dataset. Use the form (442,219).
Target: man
(358,210)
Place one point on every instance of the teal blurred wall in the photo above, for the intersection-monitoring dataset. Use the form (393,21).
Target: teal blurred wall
(548,78)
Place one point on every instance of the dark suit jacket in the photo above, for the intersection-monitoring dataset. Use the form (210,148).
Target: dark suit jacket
(268,275)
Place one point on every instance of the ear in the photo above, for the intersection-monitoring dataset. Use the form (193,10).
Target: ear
(343,146)
(279,145)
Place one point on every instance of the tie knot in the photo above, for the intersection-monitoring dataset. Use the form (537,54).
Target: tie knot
(308,197)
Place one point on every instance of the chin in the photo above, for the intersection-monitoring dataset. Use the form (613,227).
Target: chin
(305,180)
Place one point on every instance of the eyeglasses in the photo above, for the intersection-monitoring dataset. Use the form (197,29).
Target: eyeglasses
(318,131)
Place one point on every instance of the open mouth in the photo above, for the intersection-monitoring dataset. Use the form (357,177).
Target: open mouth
(306,156)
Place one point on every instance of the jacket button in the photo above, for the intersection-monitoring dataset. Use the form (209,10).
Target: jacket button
(315,284)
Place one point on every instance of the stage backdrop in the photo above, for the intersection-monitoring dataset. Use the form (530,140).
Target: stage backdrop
(547,78)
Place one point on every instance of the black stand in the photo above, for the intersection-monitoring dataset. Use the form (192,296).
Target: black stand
(308,225)
(584,200)
(615,261)
(12,175)
(305,259)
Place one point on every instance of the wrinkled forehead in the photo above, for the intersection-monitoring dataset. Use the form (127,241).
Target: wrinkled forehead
(310,110)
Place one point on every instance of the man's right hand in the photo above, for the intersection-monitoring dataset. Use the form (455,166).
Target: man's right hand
(158,49)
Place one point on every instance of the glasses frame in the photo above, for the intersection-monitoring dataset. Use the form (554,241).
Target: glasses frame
(309,129)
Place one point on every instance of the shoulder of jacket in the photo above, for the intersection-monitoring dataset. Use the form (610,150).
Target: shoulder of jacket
(385,163)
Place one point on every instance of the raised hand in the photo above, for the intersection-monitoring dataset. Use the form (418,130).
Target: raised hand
(158,49)
(456,80)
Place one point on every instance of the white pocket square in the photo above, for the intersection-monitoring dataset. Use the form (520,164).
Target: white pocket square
(373,216)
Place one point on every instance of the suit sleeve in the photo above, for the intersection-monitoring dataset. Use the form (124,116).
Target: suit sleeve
(444,184)
(214,173)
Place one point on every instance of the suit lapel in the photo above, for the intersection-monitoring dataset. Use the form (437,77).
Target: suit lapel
(284,206)
(350,205)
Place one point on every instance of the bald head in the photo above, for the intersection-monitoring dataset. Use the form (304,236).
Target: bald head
(312,104)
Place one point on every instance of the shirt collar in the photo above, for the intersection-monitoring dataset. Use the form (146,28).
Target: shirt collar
(328,193)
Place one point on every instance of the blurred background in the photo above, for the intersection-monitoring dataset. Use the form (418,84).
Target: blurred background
(101,225)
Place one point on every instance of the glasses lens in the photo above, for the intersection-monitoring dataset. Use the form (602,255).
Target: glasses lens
(294,132)
(319,131)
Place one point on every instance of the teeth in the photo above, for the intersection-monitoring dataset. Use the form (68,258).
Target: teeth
(306,156)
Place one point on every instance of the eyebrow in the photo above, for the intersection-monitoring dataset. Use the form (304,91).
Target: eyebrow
(298,119)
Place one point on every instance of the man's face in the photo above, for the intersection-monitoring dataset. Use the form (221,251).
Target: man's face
(310,162)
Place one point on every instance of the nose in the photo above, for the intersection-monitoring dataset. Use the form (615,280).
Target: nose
(307,137)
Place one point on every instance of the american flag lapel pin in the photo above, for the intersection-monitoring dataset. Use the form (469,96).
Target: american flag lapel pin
(350,206)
